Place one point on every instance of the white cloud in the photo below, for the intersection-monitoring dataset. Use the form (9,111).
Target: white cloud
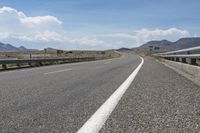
(120,35)
(13,20)
(171,34)
(145,35)
(45,36)
(15,24)
(3,35)
(91,41)
(48,36)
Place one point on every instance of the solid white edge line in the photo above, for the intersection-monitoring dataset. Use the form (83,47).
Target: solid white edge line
(64,70)
(97,120)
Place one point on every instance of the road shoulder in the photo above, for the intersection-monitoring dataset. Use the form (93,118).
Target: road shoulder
(186,75)
(159,100)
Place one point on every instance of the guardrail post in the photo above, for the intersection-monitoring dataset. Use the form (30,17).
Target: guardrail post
(172,58)
(4,66)
(193,61)
(18,65)
(40,63)
(30,64)
(177,59)
(183,60)
(169,58)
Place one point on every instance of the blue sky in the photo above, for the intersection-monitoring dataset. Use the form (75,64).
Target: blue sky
(96,24)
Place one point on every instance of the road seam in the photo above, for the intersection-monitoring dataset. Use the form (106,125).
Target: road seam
(97,120)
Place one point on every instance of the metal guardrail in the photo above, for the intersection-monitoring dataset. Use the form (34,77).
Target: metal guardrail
(190,55)
(193,50)
(183,56)
(18,62)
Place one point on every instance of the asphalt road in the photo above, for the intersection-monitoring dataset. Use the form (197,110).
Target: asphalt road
(62,98)
(59,98)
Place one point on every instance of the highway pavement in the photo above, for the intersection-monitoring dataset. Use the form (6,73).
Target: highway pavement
(61,98)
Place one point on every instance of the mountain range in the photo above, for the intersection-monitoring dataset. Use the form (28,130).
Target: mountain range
(155,46)
(10,48)
(165,45)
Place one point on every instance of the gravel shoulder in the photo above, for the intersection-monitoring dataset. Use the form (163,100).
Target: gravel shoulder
(159,100)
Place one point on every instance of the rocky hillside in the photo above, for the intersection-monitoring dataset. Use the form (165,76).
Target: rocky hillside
(164,45)
(10,48)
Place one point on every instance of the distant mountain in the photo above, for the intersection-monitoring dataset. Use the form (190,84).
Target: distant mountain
(124,49)
(186,43)
(164,45)
(51,49)
(22,48)
(10,48)
(7,47)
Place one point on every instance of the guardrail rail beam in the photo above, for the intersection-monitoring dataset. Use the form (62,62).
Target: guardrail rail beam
(191,54)
(183,60)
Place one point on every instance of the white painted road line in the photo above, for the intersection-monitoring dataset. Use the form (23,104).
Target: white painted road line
(97,120)
(57,71)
